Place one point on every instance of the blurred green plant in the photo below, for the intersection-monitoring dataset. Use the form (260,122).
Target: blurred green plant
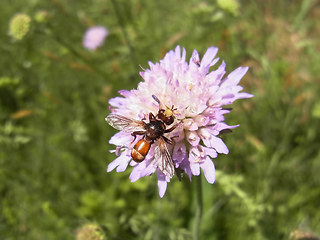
(231,6)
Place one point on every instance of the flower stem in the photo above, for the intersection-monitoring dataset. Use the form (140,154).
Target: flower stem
(72,50)
(77,54)
(124,32)
(199,207)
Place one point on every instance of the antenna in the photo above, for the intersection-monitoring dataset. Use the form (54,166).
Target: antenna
(156,99)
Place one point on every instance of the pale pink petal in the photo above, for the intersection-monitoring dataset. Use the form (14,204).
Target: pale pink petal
(122,160)
(190,124)
(149,168)
(193,138)
(121,139)
(216,143)
(185,166)
(136,171)
(234,77)
(210,152)
(209,56)
(179,152)
(162,184)
(195,168)
(208,170)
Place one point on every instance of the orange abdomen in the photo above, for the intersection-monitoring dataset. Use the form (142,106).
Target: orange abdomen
(140,150)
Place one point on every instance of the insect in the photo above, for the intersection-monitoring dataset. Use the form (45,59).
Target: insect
(152,132)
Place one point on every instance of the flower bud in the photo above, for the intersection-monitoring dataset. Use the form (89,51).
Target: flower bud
(90,231)
(19,26)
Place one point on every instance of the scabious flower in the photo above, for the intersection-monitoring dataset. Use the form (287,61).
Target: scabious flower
(94,37)
(19,26)
(198,96)
(90,231)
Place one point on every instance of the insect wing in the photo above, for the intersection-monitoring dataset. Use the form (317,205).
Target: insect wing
(124,124)
(163,158)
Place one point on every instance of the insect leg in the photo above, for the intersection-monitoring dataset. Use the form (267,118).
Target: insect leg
(134,134)
(170,141)
(172,128)
(151,117)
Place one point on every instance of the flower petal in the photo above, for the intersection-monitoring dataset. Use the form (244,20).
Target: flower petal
(193,138)
(121,162)
(185,166)
(195,168)
(179,152)
(234,77)
(136,171)
(117,102)
(210,152)
(121,139)
(209,56)
(208,170)
(216,143)
(189,124)
(162,184)
(149,169)
(215,77)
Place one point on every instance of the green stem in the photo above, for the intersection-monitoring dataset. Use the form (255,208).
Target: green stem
(124,32)
(73,51)
(78,55)
(199,208)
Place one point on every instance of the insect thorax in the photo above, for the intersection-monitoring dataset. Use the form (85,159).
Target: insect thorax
(155,130)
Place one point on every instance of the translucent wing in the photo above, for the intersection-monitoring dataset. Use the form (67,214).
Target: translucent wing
(163,158)
(124,124)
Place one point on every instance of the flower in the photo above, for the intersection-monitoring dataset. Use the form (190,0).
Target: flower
(94,37)
(198,96)
(90,231)
(19,26)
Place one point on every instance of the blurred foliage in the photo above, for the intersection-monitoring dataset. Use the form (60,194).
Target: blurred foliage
(54,141)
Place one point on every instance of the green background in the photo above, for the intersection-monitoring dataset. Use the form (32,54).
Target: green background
(54,96)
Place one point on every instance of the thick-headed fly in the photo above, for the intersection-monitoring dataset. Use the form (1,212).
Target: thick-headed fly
(153,131)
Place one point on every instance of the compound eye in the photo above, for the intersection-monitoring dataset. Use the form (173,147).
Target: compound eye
(161,114)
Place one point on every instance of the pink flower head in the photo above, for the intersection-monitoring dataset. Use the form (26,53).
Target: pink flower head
(197,96)
(94,37)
